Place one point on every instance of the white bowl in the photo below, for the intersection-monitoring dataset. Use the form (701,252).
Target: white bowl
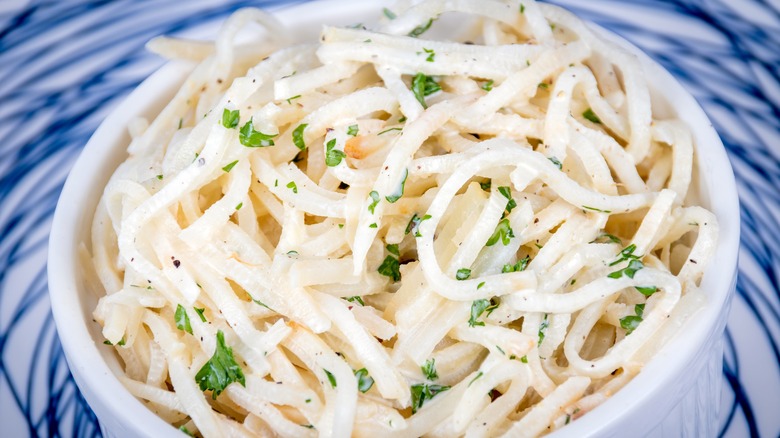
(677,393)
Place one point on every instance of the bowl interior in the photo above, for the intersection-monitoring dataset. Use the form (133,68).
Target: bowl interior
(92,363)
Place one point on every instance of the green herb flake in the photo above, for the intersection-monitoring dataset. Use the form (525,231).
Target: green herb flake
(503,232)
(200,313)
(543,329)
(373,225)
(297,136)
(590,115)
(352,130)
(520,266)
(524,359)
(229,118)
(630,323)
(480,285)
(486,185)
(182,320)
(221,370)
(596,209)
(606,237)
(422,86)
(389,14)
(507,192)
(230,166)
(390,267)
(646,290)
(487,86)
(183,429)
(289,100)
(639,309)
(260,303)
(500,350)
(629,271)
(402,119)
(252,138)
(543,85)
(389,130)
(356,299)
(181,121)
(419,30)
(374,195)
(463,274)
(393,249)
(400,192)
(365,382)
(331,378)
(429,369)
(431,54)
(478,307)
(557,162)
(479,374)
(333,156)
(522,8)
(292,186)
(422,392)
(308,426)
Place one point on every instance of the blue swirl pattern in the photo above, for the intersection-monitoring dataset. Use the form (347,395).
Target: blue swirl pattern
(65,64)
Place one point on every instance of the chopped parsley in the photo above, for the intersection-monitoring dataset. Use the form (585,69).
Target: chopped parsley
(260,303)
(606,237)
(297,136)
(429,369)
(183,429)
(374,201)
(393,249)
(422,392)
(503,231)
(356,299)
(331,378)
(289,100)
(352,130)
(229,118)
(221,370)
(557,162)
(159,177)
(479,374)
(590,115)
(628,271)
(596,209)
(373,225)
(292,186)
(252,138)
(486,185)
(365,382)
(543,85)
(511,204)
(487,86)
(230,166)
(182,320)
(390,267)
(478,307)
(543,329)
(431,54)
(389,129)
(333,156)
(422,86)
(631,322)
(388,13)
(419,30)
(400,192)
(626,253)
(238,207)
(463,274)
(646,290)
(524,359)
(200,313)
(414,224)
(517,267)
(522,8)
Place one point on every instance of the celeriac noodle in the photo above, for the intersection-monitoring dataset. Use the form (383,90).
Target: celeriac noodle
(386,235)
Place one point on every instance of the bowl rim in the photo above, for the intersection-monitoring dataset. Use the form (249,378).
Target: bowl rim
(107,396)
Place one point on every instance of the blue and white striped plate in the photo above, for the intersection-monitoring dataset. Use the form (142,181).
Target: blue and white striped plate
(65,64)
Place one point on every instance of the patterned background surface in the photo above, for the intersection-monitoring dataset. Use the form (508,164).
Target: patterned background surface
(65,64)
